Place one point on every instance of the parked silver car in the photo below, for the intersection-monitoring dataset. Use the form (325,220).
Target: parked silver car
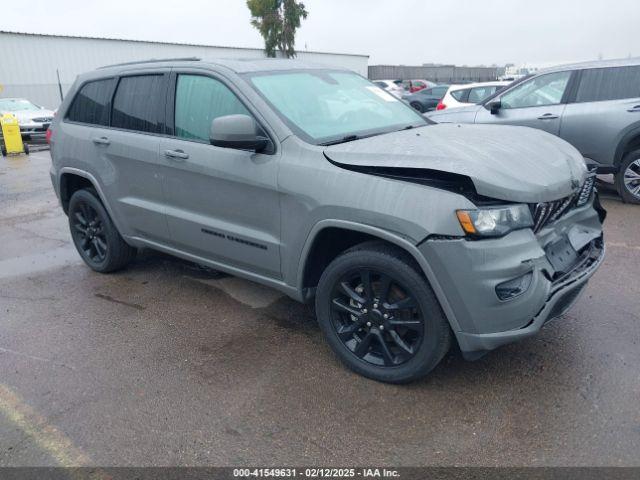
(33,119)
(594,106)
(318,183)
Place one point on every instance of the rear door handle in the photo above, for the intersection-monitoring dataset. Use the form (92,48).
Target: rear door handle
(635,109)
(176,155)
(548,116)
(101,141)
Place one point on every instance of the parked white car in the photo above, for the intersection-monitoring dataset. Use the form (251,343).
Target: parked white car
(394,87)
(469,94)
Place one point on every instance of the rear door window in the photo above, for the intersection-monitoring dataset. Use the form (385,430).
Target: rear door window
(600,84)
(139,103)
(199,100)
(91,103)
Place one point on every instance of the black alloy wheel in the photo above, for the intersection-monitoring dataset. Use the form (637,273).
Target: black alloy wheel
(89,230)
(376,317)
(95,236)
(380,315)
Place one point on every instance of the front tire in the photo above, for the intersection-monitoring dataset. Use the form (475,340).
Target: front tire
(94,234)
(628,178)
(380,316)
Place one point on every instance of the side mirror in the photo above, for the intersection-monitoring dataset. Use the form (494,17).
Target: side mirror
(493,106)
(237,131)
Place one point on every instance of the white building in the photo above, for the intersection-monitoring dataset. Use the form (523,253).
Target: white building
(30,63)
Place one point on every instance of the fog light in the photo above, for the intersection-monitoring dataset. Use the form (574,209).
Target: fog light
(513,288)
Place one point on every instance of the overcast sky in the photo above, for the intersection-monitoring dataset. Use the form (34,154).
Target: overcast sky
(409,32)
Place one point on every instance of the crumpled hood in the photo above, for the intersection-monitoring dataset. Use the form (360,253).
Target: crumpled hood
(509,163)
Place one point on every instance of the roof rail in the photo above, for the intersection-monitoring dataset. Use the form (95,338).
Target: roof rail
(154,60)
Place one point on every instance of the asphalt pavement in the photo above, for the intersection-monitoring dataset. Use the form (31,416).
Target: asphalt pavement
(168,363)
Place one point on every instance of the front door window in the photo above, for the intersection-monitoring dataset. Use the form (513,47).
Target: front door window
(537,92)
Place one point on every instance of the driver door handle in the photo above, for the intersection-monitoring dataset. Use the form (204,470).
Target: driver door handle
(101,141)
(548,116)
(177,155)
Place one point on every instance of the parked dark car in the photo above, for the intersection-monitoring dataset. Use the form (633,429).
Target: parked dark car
(427,99)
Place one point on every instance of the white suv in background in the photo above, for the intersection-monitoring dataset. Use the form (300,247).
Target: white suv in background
(469,94)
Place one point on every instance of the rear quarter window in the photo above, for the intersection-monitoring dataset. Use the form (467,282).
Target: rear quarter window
(138,103)
(460,95)
(478,94)
(600,84)
(91,103)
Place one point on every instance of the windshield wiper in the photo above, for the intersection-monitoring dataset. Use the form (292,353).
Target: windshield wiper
(351,138)
(348,138)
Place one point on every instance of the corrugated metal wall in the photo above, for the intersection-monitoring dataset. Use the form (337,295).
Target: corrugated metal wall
(28,62)
(438,74)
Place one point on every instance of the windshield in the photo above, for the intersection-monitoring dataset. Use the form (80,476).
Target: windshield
(16,105)
(326,106)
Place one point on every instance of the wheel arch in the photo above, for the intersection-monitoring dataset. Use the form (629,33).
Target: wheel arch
(310,267)
(629,142)
(72,179)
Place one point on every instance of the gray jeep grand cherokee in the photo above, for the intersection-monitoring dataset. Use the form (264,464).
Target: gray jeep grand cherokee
(320,184)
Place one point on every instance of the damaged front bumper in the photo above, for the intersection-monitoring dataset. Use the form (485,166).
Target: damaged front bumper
(549,270)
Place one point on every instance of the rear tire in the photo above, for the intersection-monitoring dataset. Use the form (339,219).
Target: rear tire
(417,106)
(628,178)
(95,236)
(380,316)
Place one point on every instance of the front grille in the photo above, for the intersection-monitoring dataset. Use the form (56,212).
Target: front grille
(586,190)
(43,120)
(546,213)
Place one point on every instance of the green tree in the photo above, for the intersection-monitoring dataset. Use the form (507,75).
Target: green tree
(277,22)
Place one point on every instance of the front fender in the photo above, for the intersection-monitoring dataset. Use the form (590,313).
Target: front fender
(402,242)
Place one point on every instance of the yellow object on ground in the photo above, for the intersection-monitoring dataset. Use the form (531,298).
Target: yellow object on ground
(11,135)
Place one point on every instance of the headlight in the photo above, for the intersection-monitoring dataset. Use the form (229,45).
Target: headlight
(495,221)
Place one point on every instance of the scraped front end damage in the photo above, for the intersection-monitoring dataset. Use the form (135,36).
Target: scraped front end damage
(503,286)
(505,289)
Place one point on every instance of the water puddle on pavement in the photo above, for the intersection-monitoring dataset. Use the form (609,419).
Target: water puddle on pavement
(59,257)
